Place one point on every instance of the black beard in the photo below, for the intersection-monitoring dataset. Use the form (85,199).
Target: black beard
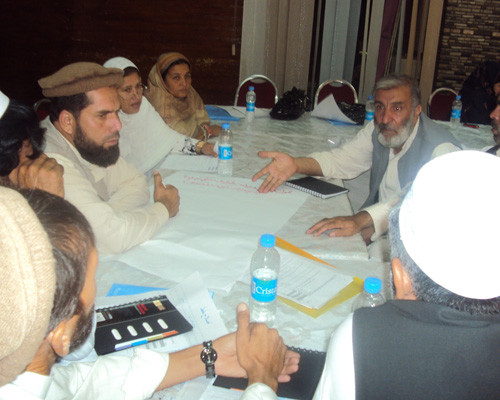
(82,331)
(93,153)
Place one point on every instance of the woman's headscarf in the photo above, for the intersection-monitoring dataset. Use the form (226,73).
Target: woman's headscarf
(145,139)
(183,115)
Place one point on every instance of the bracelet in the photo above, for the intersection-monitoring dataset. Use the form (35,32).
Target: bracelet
(207,132)
(199,146)
(208,356)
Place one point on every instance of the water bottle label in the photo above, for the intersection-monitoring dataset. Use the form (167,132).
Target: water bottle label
(369,115)
(250,107)
(225,152)
(456,113)
(264,291)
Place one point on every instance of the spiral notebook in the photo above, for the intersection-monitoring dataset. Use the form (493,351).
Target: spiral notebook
(302,384)
(316,187)
(132,324)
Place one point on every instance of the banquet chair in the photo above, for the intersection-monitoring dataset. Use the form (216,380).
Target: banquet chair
(439,104)
(265,91)
(42,108)
(341,90)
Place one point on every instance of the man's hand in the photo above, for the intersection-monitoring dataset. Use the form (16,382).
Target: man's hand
(168,195)
(342,226)
(42,173)
(208,149)
(261,352)
(279,170)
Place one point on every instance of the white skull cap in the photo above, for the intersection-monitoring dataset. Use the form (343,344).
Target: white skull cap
(4,103)
(449,223)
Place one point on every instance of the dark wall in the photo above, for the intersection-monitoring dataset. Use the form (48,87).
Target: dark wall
(470,33)
(40,36)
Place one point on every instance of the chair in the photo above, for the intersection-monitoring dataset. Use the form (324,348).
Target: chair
(341,90)
(265,91)
(42,108)
(439,104)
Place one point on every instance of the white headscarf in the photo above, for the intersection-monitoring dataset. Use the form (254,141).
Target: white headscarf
(145,139)
(4,103)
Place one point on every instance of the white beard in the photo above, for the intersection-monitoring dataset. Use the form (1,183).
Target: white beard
(397,140)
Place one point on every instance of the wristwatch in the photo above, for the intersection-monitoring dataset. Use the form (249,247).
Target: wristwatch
(208,355)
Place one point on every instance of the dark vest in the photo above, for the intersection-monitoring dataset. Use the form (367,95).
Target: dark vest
(417,350)
(428,137)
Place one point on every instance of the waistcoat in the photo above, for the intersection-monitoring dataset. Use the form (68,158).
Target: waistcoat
(429,136)
(408,349)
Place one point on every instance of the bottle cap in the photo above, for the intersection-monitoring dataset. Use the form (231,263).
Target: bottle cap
(225,125)
(370,98)
(373,285)
(458,97)
(267,240)
(251,88)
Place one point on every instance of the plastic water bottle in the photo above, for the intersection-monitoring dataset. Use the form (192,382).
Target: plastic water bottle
(225,164)
(251,97)
(456,112)
(371,296)
(369,109)
(264,269)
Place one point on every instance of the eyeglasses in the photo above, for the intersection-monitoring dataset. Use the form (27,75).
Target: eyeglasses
(129,91)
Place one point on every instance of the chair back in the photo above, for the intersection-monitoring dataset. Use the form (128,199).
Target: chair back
(439,105)
(339,88)
(265,91)
(42,108)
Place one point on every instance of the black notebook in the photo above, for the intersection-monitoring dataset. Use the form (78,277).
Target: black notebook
(316,187)
(303,383)
(132,324)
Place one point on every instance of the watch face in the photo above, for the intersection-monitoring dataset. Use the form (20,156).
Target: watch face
(208,355)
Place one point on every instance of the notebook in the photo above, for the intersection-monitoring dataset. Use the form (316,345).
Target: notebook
(316,187)
(302,384)
(132,324)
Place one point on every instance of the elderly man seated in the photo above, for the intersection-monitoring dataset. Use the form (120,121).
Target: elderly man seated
(440,337)
(394,147)
(48,289)
(22,163)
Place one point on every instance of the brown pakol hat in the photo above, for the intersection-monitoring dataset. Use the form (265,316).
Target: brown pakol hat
(78,78)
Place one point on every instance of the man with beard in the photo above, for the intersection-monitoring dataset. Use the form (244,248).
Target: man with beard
(440,336)
(82,134)
(394,147)
(48,288)
(495,128)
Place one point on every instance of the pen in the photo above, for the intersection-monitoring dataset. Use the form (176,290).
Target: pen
(471,126)
(137,342)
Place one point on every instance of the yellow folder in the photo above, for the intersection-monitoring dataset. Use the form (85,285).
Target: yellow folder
(354,288)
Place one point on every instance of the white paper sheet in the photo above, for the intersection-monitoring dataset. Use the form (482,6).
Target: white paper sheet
(190,163)
(216,230)
(328,109)
(193,301)
(306,281)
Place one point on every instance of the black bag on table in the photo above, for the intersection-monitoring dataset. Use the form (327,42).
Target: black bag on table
(291,106)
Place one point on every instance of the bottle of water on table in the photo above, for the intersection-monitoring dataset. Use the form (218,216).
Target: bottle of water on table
(371,295)
(456,112)
(251,97)
(264,269)
(369,110)
(225,163)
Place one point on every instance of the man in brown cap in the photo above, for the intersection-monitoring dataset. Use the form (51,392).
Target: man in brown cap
(31,336)
(82,134)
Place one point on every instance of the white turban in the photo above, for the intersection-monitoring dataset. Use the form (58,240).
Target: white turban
(450,222)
